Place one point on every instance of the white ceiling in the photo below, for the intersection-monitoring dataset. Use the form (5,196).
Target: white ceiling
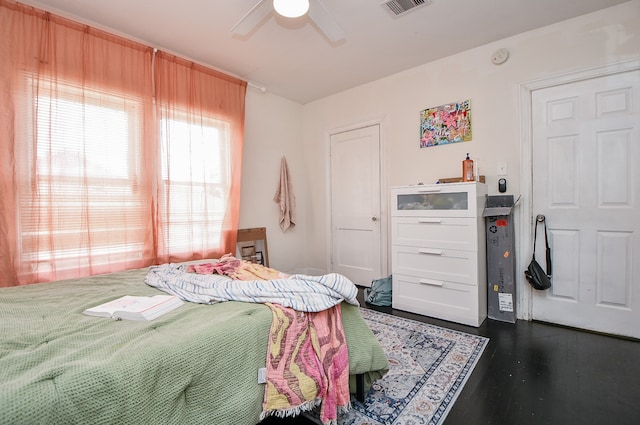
(293,59)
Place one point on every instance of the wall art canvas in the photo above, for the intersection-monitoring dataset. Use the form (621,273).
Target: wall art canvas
(442,125)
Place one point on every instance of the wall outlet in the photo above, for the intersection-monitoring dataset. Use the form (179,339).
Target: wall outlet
(502,168)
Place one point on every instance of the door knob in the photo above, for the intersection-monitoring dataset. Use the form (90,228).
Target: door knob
(374,218)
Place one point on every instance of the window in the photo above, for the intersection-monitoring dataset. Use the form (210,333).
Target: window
(90,143)
(196,176)
(85,181)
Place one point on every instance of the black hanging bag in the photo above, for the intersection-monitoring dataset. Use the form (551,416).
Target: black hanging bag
(536,276)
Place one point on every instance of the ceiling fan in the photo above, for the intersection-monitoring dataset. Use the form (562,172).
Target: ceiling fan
(316,11)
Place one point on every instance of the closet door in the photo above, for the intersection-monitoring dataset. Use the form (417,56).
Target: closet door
(586,147)
(356,226)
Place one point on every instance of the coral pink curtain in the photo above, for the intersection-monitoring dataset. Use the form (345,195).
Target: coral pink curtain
(194,106)
(97,175)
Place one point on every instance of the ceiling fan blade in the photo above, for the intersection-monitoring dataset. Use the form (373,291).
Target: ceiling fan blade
(252,18)
(323,19)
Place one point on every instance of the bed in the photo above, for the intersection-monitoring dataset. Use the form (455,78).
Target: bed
(196,364)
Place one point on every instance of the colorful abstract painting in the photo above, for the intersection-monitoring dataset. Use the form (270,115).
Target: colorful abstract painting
(442,125)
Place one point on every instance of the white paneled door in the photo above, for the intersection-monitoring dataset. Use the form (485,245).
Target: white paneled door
(586,181)
(356,248)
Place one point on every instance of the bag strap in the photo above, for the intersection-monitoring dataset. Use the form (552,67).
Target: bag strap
(541,219)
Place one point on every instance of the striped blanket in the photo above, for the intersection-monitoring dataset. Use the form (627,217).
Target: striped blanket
(299,292)
(307,364)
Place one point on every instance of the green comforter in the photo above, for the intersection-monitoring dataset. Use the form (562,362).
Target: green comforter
(196,364)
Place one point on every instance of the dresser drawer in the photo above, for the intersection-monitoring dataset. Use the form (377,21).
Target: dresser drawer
(437,232)
(438,200)
(445,300)
(436,264)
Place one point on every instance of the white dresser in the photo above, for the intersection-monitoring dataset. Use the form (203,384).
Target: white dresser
(439,251)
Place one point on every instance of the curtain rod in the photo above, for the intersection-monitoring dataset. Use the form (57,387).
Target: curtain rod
(260,87)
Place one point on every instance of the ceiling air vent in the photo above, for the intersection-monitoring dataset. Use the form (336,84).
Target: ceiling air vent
(398,7)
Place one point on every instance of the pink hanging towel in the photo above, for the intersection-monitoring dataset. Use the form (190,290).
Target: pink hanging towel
(285,198)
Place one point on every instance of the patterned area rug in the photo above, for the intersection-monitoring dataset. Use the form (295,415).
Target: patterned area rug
(429,365)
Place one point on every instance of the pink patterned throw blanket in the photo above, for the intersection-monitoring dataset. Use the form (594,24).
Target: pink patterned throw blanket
(307,364)
(307,355)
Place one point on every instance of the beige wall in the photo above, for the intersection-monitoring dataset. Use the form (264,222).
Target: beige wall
(273,128)
(276,126)
(589,41)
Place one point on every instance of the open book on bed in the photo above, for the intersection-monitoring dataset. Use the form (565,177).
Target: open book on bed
(136,308)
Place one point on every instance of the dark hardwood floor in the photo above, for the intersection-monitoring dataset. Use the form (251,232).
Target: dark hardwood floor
(541,374)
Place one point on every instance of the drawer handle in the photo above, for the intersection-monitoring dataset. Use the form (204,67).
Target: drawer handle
(430,220)
(431,282)
(429,190)
(430,251)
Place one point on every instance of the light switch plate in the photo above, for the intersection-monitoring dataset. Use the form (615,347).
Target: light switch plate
(502,168)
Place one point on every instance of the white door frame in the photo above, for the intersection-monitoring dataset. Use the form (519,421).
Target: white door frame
(523,253)
(384,196)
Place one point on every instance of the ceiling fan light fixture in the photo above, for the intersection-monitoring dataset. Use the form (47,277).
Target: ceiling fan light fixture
(291,8)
